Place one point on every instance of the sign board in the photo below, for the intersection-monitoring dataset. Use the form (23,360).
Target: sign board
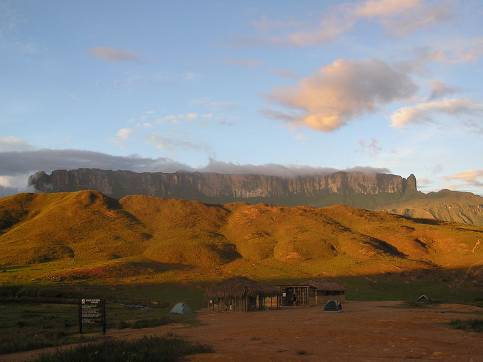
(92,311)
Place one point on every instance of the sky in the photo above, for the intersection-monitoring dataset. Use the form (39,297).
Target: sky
(274,87)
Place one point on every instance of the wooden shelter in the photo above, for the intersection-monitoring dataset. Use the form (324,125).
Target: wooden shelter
(316,292)
(243,295)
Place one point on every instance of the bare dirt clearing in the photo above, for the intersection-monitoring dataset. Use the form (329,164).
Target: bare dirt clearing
(367,331)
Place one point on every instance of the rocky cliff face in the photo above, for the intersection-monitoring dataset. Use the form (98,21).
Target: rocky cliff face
(224,187)
(391,193)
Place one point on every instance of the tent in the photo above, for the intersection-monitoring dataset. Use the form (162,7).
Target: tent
(424,299)
(180,308)
(333,306)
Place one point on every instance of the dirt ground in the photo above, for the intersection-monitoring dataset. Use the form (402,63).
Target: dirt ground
(364,331)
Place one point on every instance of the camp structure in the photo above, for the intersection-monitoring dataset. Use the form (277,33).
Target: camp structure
(180,308)
(316,292)
(333,306)
(243,295)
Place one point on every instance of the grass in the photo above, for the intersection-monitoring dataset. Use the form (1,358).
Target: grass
(442,286)
(30,325)
(147,349)
(473,325)
(140,239)
(144,254)
(145,323)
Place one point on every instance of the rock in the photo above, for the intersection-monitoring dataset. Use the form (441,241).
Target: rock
(225,187)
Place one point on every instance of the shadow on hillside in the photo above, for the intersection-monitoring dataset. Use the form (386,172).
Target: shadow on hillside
(117,270)
(468,229)
(384,246)
(445,285)
(423,221)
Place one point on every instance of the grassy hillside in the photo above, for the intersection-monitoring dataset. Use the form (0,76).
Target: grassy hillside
(88,236)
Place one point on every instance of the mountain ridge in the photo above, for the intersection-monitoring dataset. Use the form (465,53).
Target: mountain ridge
(215,186)
(374,191)
(86,235)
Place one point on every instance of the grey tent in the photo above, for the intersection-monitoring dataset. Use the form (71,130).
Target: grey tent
(180,308)
(333,306)
(424,299)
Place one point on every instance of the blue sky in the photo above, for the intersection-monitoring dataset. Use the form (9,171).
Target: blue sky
(390,84)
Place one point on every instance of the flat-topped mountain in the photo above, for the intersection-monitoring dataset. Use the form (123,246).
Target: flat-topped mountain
(213,187)
(373,191)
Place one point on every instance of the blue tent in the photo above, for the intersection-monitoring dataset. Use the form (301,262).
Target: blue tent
(333,306)
(180,308)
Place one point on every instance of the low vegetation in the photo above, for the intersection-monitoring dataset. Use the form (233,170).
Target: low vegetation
(473,325)
(33,317)
(147,349)
(144,254)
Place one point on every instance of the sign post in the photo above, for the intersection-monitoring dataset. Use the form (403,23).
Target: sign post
(92,311)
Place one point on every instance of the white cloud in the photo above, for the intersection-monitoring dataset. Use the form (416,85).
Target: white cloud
(14,166)
(11,143)
(24,162)
(426,111)
(370,146)
(123,134)
(5,181)
(10,18)
(470,177)
(167,143)
(454,51)
(332,24)
(374,8)
(339,92)
(271,169)
(17,182)
(420,16)
(174,118)
(440,89)
(113,55)
(398,17)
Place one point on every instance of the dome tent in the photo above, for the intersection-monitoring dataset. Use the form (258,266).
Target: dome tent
(333,306)
(180,308)
(424,299)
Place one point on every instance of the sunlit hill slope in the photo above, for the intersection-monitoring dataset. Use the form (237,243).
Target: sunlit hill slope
(86,235)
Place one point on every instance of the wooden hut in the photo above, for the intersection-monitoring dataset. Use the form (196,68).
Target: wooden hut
(243,295)
(315,292)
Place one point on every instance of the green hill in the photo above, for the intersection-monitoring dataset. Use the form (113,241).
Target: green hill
(88,236)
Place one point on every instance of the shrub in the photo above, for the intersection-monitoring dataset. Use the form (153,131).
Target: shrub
(475,325)
(147,349)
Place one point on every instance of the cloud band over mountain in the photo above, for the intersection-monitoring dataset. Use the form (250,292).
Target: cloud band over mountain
(15,166)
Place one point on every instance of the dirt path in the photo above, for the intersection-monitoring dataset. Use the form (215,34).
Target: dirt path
(364,331)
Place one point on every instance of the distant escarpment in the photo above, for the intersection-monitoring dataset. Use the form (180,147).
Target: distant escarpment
(446,205)
(391,193)
(352,188)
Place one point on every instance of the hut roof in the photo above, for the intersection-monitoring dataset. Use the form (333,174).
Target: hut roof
(239,287)
(320,285)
